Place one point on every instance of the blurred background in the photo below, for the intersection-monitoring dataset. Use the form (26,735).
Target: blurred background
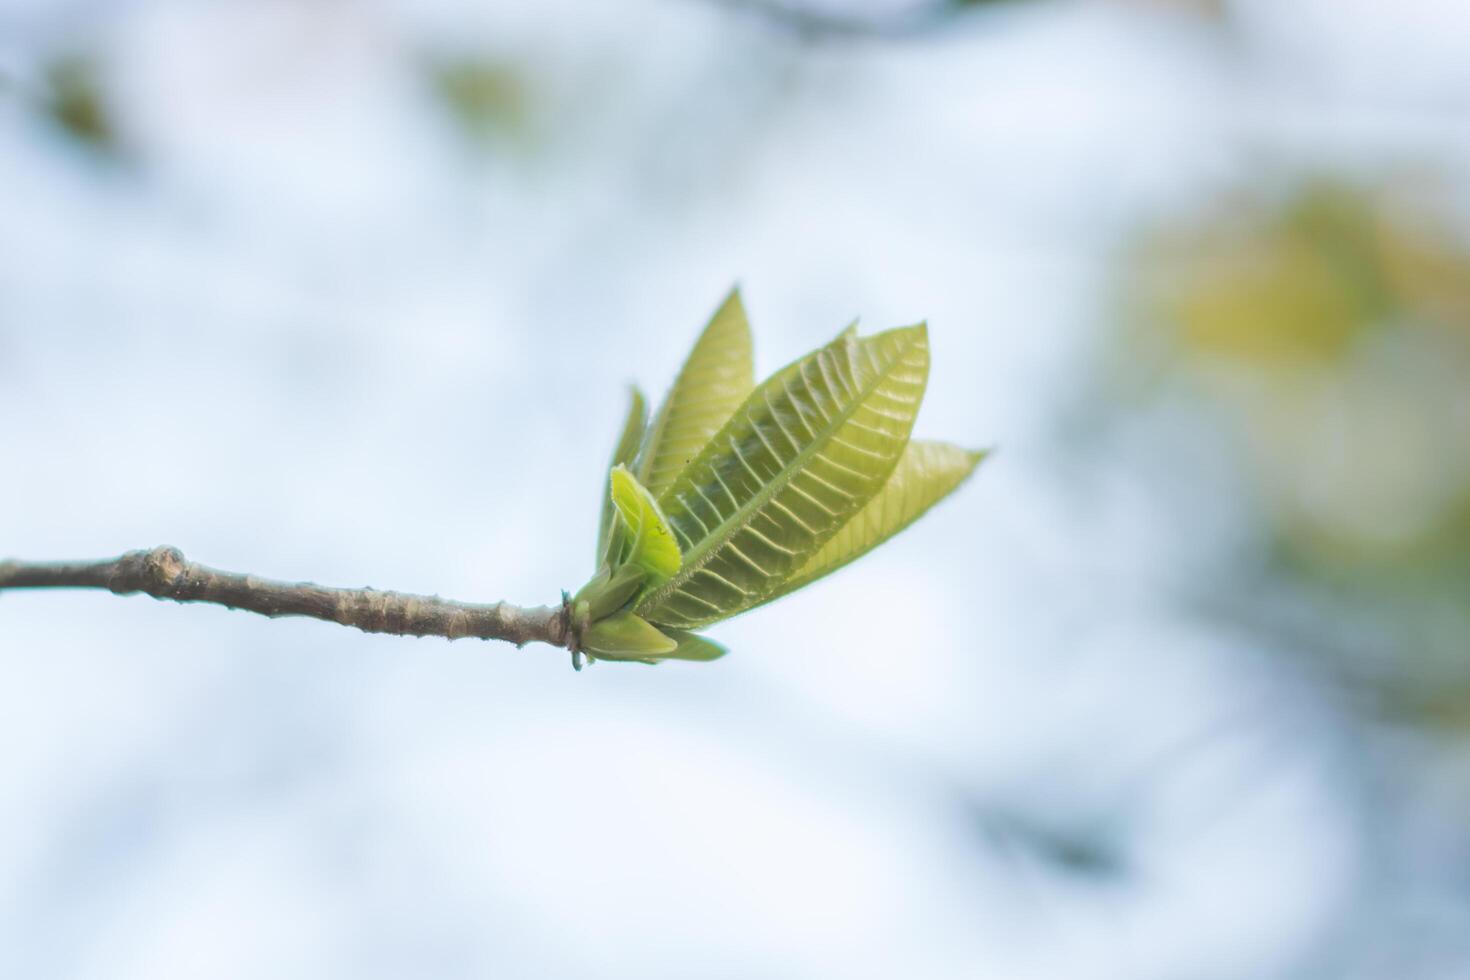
(1177,687)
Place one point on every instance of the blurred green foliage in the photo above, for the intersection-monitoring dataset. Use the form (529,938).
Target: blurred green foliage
(1333,325)
(1328,325)
(486,98)
(77,104)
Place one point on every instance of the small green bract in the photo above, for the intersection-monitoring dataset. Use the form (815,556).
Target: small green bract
(735,494)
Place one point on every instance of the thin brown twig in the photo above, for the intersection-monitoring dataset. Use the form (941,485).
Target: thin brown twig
(164,573)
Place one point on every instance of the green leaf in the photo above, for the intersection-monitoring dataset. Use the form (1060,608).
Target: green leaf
(692,646)
(624,636)
(623,454)
(926,474)
(804,453)
(647,540)
(713,382)
(609,591)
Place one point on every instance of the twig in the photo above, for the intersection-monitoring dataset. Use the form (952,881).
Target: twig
(164,573)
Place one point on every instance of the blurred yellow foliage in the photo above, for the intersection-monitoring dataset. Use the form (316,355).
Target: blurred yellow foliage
(1271,287)
(485,97)
(1333,325)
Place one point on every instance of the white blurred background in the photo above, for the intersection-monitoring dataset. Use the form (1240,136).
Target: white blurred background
(1177,687)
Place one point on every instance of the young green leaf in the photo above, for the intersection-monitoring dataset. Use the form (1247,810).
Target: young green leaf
(713,382)
(804,453)
(624,636)
(692,646)
(627,448)
(647,540)
(926,474)
(609,591)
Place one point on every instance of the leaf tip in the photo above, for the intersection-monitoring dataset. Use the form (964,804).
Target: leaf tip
(733,303)
(692,646)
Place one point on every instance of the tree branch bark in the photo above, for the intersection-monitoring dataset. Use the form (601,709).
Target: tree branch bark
(164,573)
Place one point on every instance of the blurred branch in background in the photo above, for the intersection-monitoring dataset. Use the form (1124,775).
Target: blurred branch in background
(820,22)
(816,21)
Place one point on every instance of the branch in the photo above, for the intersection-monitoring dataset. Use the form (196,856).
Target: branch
(164,573)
